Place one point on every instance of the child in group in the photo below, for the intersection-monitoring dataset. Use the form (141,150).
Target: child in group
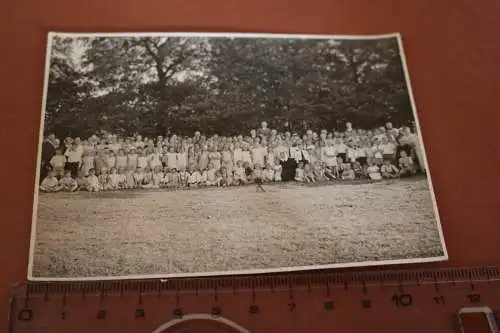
(194,177)
(165,181)
(183,178)
(154,158)
(406,165)
(113,180)
(57,162)
(329,173)
(122,179)
(239,174)
(348,173)
(269,174)
(248,172)
(245,156)
(142,160)
(224,178)
(182,158)
(92,182)
(278,170)
(351,153)
(214,158)
(121,160)
(270,158)
(309,174)
(219,179)
(132,159)
(358,169)
(129,178)
(81,182)
(227,159)
(378,157)
(319,171)
(88,162)
(50,183)
(192,158)
(174,179)
(67,183)
(258,153)
(147,180)
(157,177)
(299,172)
(74,159)
(389,170)
(373,171)
(170,158)
(138,177)
(341,149)
(210,175)
(340,167)
(203,159)
(258,177)
(103,179)
(110,159)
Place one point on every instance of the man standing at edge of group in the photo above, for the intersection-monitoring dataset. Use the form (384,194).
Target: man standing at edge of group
(48,151)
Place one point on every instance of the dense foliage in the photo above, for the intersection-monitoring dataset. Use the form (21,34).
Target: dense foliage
(154,85)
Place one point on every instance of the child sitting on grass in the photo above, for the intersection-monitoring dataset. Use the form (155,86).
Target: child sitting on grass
(319,171)
(50,183)
(138,177)
(210,175)
(194,177)
(247,173)
(129,178)
(358,170)
(157,177)
(373,171)
(113,180)
(183,178)
(299,173)
(92,182)
(388,170)
(269,173)
(309,174)
(330,173)
(103,179)
(147,180)
(406,165)
(67,183)
(348,173)
(278,170)
(239,174)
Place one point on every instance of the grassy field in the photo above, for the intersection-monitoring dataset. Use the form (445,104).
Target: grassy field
(161,232)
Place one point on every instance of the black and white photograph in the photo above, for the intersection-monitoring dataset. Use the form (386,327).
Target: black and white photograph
(167,155)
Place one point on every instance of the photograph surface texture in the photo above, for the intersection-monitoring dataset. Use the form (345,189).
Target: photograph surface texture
(176,155)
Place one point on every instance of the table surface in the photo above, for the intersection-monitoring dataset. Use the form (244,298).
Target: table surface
(453,55)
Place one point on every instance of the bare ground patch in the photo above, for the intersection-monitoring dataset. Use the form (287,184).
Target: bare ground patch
(163,232)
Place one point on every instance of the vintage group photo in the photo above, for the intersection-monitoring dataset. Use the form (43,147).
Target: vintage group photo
(178,155)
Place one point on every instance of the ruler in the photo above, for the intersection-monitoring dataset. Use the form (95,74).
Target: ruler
(424,300)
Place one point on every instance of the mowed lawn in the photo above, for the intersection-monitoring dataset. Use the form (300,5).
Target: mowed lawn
(208,230)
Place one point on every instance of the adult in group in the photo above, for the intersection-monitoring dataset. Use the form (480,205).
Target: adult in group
(288,165)
(48,151)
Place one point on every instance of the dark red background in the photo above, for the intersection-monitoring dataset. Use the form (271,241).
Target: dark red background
(453,54)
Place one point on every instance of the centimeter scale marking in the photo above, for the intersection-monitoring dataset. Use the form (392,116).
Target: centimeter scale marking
(477,287)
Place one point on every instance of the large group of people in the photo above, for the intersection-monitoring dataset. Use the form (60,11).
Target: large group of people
(111,162)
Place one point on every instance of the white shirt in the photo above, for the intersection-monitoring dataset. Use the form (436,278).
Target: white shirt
(74,156)
(296,153)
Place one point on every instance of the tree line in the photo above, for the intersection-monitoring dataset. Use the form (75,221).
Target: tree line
(155,86)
